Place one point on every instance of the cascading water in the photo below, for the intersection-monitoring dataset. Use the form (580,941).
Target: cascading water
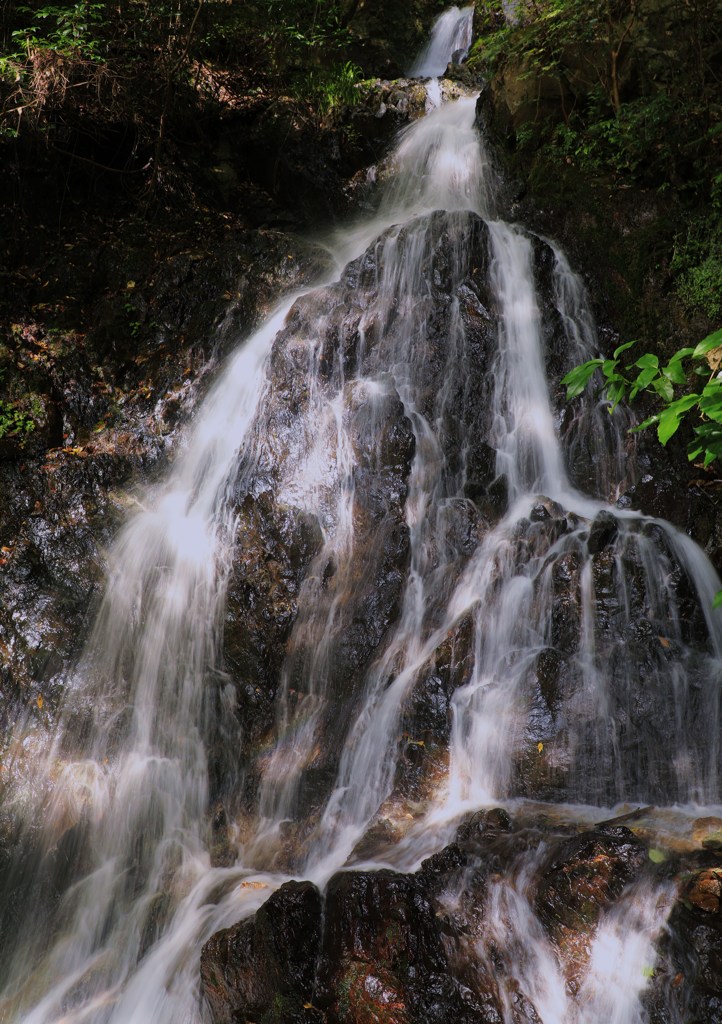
(424,443)
(450,41)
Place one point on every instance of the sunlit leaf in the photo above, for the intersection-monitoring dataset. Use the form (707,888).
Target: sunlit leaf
(713,340)
(609,366)
(670,418)
(645,378)
(616,392)
(578,378)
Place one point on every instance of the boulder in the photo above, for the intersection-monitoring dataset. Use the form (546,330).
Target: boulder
(266,965)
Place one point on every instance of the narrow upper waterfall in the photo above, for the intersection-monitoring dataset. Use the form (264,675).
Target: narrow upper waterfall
(455,615)
(450,41)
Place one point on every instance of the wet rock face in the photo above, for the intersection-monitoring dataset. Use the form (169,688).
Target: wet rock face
(426,716)
(688,981)
(457,940)
(266,966)
(594,724)
(374,951)
(274,547)
(383,956)
(54,517)
(110,400)
(336,438)
(581,879)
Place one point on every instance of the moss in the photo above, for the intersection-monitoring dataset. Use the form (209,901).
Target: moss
(698,261)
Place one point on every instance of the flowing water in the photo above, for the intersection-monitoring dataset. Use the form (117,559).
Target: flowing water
(450,41)
(590,632)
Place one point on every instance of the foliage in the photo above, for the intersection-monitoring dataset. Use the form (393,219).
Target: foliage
(330,88)
(14,422)
(633,144)
(637,87)
(544,31)
(45,50)
(670,384)
(697,259)
(69,29)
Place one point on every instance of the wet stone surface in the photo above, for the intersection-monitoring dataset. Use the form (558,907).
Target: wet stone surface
(428,946)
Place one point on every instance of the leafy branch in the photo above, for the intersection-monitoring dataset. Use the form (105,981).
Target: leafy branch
(624,381)
(669,382)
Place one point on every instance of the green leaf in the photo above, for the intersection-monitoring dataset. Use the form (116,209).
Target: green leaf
(648,362)
(616,391)
(674,370)
(707,442)
(717,603)
(664,388)
(578,378)
(713,340)
(623,348)
(670,418)
(711,406)
(646,423)
(644,379)
(657,856)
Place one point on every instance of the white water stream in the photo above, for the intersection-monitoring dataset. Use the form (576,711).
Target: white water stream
(126,776)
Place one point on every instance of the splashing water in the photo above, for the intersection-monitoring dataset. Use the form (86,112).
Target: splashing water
(562,598)
(619,961)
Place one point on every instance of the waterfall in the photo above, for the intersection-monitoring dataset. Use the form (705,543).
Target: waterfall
(450,41)
(411,412)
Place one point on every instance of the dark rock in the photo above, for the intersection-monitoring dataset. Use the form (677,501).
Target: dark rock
(688,979)
(482,824)
(346,369)
(603,531)
(581,878)
(426,714)
(566,599)
(383,956)
(266,965)
(275,544)
(446,861)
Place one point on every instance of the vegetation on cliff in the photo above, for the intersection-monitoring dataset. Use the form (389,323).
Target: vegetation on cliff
(612,114)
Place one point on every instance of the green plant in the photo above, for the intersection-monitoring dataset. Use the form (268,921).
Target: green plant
(627,104)
(336,87)
(624,381)
(66,29)
(697,259)
(14,422)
